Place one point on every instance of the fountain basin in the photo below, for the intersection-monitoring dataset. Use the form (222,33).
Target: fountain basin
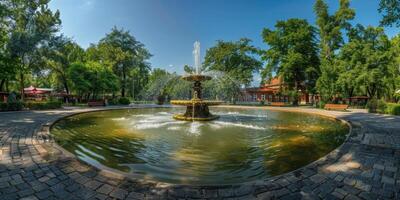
(242,145)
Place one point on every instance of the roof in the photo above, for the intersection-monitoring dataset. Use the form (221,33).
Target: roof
(34,90)
(277,81)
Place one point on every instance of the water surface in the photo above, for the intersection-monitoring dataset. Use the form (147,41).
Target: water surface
(242,145)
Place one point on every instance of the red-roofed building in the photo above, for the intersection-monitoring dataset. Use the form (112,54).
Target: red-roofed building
(271,92)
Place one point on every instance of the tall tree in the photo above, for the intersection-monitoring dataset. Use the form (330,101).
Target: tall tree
(61,52)
(364,62)
(32,24)
(136,55)
(6,68)
(292,55)
(390,9)
(237,60)
(331,39)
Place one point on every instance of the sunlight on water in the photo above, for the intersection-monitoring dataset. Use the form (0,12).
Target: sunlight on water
(242,145)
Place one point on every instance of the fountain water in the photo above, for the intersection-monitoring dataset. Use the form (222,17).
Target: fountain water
(196,108)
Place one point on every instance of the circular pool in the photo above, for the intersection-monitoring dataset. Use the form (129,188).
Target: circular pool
(242,145)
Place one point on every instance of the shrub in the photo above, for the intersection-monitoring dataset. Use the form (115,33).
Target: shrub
(113,101)
(372,105)
(381,106)
(32,105)
(14,106)
(124,101)
(393,109)
(321,104)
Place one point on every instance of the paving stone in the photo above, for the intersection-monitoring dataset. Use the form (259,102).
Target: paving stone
(105,189)
(119,194)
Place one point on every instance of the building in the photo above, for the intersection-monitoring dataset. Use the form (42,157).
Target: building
(271,92)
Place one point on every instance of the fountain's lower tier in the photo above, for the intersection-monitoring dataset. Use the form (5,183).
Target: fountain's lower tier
(196,110)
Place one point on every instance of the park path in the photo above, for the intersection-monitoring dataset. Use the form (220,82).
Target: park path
(366,166)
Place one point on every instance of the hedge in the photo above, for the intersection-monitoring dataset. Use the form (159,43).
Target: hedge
(392,109)
(124,101)
(32,105)
(15,106)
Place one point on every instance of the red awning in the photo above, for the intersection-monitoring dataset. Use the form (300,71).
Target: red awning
(34,90)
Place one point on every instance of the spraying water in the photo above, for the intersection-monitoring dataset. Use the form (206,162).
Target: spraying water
(196,55)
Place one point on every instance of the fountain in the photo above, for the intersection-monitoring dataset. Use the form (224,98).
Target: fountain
(196,108)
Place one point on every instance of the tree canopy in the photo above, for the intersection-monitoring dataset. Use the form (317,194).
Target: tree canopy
(292,54)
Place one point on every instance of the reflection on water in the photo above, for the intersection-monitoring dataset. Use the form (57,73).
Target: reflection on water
(242,145)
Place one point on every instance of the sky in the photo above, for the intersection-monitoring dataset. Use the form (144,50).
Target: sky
(168,28)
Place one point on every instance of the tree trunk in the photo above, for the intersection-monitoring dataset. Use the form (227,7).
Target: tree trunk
(65,85)
(123,83)
(21,82)
(2,84)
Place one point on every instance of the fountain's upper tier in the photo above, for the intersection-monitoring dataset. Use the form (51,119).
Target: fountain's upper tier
(196,77)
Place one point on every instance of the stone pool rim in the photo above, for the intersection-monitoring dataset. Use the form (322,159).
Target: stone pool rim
(114,173)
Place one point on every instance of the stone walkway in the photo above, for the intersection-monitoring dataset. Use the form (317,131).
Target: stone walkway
(366,166)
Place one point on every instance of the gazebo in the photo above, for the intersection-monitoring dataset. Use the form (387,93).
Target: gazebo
(37,94)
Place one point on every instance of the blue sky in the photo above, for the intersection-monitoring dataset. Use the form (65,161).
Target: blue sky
(169,28)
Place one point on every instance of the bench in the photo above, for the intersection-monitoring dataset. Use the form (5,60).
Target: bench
(278,104)
(336,107)
(96,103)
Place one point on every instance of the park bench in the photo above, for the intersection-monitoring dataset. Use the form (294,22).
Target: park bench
(96,103)
(336,107)
(277,103)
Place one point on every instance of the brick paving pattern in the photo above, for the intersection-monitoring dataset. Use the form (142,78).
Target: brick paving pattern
(366,166)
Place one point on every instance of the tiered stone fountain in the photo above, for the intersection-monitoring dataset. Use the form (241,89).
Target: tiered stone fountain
(196,108)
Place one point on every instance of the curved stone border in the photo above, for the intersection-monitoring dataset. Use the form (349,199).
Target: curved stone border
(365,166)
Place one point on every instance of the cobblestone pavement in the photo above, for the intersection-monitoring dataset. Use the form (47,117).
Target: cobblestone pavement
(366,166)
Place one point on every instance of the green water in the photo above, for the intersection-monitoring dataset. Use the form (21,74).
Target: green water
(242,145)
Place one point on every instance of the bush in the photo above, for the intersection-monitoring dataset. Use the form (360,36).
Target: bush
(32,105)
(381,106)
(124,101)
(14,106)
(321,104)
(393,109)
(372,105)
(113,101)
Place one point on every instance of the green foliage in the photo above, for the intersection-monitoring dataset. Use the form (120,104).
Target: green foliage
(31,24)
(390,9)
(372,105)
(381,106)
(15,106)
(33,105)
(393,109)
(236,60)
(292,54)
(120,51)
(331,39)
(124,101)
(92,79)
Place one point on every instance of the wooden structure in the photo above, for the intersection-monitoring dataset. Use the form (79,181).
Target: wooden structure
(37,94)
(279,104)
(336,107)
(96,103)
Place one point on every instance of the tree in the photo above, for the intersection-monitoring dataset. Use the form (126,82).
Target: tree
(32,24)
(91,79)
(292,55)
(61,52)
(6,68)
(364,62)
(331,39)
(132,54)
(159,84)
(237,60)
(390,9)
